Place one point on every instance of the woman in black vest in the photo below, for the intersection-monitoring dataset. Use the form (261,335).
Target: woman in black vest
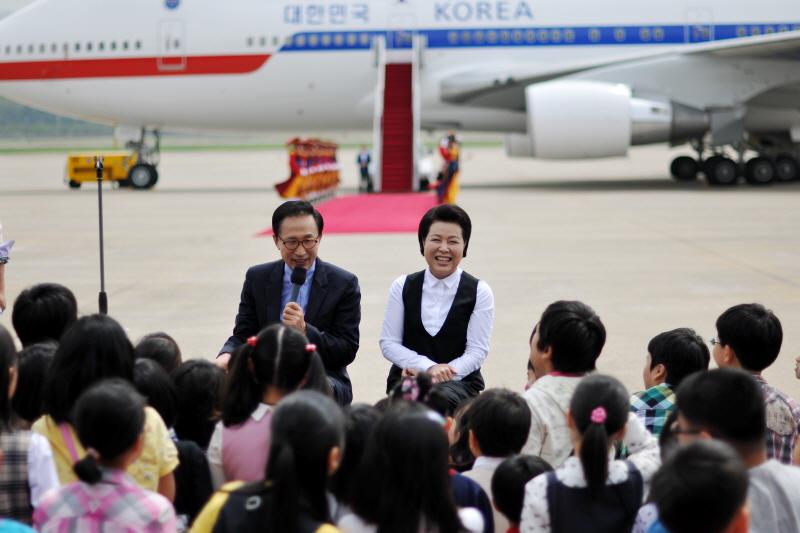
(439,320)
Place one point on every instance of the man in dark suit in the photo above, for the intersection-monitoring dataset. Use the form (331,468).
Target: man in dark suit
(328,306)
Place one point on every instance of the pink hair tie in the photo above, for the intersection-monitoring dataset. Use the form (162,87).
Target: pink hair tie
(311,347)
(252,341)
(599,415)
(94,453)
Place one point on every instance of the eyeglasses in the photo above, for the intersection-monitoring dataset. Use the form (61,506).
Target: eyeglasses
(293,244)
(714,342)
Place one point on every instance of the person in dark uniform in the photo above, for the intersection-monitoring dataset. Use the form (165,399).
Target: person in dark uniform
(439,320)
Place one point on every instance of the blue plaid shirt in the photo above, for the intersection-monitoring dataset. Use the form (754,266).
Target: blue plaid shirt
(653,406)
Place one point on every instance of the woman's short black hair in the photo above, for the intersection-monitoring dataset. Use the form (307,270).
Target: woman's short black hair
(157,387)
(444,213)
(31,374)
(199,385)
(93,349)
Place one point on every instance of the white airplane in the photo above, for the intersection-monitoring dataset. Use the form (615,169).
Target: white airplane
(568,79)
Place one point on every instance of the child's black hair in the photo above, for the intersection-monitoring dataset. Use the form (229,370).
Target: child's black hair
(509,480)
(681,351)
(44,312)
(461,457)
(599,409)
(157,387)
(94,348)
(403,481)
(700,487)
(726,402)
(754,333)
(31,374)
(500,420)
(359,419)
(8,360)
(279,359)
(575,334)
(199,385)
(161,348)
(420,389)
(306,426)
(108,417)
(317,377)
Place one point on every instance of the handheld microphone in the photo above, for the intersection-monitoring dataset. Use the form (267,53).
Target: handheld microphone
(298,279)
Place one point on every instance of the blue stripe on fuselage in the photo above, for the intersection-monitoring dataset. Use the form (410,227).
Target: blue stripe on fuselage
(538,36)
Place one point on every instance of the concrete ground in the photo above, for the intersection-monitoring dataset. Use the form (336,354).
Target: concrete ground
(647,253)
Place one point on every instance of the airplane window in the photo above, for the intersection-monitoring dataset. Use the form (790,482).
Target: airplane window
(313,39)
(517,36)
(658,34)
(452,37)
(262,41)
(491,36)
(300,40)
(42,48)
(755,30)
(352,39)
(594,35)
(249,41)
(782,28)
(644,34)
(88,47)
(54,47)
(364,39)
(569,35)
(544,36)
(704,33)
(479,37)
(795,28)
(19,48)
(619,34)
(101,45)
(30,48)
(326,39)
(138,44)
(66,48)
(505,36)
(338,39)
(741,31)
(77,47)
(466,37)
(275,41)
(8,50)
(177,44)
(125,45)
(113,45)
(769,29)
(530,36)
(555,36)
(289,40)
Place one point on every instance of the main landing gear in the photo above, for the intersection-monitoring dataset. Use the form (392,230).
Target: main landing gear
(719,169)
(144,175)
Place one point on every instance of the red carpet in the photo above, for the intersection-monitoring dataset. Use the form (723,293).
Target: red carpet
(374,213)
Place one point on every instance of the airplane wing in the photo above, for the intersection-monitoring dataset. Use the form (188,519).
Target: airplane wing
(503,86)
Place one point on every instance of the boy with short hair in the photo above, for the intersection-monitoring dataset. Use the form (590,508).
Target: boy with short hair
(749,337)
(702,487)
(43,313)
(508,485)
(726,404)
(671,356)
(564,347)
(498,427)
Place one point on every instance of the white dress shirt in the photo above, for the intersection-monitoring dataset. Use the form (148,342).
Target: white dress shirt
(437,298)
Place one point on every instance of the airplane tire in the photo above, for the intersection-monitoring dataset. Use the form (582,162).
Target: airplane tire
(142,176)
(684,168)
(759,171)
(74,184)
(786,169)
(720,170)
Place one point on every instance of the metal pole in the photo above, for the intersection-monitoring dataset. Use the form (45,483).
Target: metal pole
(102,299)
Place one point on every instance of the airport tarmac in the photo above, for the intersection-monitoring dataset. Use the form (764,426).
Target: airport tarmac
(647,253)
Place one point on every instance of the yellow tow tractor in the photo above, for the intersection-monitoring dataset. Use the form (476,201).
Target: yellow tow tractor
(135,168)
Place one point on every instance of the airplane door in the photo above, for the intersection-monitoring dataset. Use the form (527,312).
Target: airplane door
(699,25)
(171,45)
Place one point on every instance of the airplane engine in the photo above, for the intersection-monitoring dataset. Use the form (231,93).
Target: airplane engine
(576,119)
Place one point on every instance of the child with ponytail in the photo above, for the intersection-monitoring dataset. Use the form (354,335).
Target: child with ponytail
(109,419)
(590,492)
(264,370)
(306,448)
